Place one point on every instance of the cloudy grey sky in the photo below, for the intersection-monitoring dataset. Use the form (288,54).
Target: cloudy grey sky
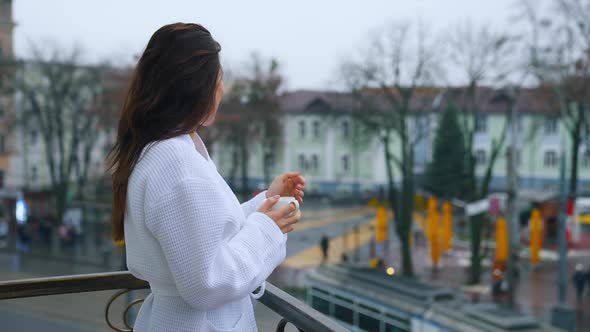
(309,37)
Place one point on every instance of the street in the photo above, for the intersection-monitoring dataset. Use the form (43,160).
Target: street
(536,290)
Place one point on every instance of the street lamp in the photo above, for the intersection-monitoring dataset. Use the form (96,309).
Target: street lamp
(21,210)
(513,234)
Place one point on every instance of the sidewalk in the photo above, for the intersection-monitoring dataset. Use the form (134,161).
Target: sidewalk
(536,290)
(546,254)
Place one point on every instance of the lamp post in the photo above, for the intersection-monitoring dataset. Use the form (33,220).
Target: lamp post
(561,233)
(512,219)
(391,196)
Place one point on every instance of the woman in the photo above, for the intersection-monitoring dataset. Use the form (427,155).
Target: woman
(202,252)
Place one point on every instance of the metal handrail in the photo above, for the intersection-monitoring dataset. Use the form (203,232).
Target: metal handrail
(293,311)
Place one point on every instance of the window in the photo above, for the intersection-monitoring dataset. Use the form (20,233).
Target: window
(34,137)
(34,174)
(314,162)
(422,123)
(550,159)
(550,126)
(345,129)
(2,147)
(519,123)
(302,163)
(518,156)
(345,164)
(481,124)
(316,129)
(480,157)
(302,129)
(269,160)
(586,159)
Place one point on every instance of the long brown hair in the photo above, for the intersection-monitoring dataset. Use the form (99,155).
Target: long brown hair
(171,93)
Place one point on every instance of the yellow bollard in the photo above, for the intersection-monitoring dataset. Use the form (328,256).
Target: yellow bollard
(501,240)
(432,203)
(447,219)
(381,235)
(432,230)
(419,203)
(536,236)
(374,203)
(435,248)
(373,263)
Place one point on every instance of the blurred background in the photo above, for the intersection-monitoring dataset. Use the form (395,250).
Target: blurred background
(445,145)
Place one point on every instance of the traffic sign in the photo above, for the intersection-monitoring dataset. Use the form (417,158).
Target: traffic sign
(477,207)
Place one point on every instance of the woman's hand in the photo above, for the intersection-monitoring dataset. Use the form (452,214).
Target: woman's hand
(281,217)
(288,184)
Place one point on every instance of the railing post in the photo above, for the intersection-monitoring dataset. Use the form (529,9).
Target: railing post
(357,244)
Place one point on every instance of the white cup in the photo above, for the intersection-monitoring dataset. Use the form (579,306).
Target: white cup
(283,202)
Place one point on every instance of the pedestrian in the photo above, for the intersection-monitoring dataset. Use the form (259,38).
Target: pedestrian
(497,280)
(344,258)
(587,286)
(325,245)
(45,231)
(24,238)
(380,264)
(579,279)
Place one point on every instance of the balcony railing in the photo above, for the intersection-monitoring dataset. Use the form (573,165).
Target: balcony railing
(293,311)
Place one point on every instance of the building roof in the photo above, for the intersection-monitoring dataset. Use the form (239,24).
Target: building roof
(425,99)
(310,100)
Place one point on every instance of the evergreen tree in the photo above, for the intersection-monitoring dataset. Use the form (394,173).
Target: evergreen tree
(446,172)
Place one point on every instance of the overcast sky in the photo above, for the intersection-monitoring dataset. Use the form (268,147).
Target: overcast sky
(309,37)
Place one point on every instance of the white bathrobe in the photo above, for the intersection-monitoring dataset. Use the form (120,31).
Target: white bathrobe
(201,251)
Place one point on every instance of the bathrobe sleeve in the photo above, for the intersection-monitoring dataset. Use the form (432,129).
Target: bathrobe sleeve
(209,269)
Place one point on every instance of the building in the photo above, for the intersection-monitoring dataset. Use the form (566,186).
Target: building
(86,136)
(6,59)
(30,164)
(318,142)
(337,156)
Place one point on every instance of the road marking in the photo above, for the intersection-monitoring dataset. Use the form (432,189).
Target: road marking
(341,217)
(325,213)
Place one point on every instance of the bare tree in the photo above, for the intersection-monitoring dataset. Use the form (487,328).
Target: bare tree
(262,89)
(106,109)
(250,115)
(8,67)
(59,96)
(383,80)
(482,57)
(560,58)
